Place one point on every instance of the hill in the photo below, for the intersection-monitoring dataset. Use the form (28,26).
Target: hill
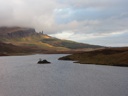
(12,32)
(29,38)
(10,49)
(109,56)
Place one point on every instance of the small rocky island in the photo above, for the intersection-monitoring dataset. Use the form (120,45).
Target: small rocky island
(43,62)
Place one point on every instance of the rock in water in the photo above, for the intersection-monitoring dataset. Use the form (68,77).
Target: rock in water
(43,62)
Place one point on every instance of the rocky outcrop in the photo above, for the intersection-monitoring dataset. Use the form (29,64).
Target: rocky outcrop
(43,62)
(16,32)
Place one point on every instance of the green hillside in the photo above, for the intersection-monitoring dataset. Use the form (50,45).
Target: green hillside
(47,42)
(35,41)
(67,43)
(29,38)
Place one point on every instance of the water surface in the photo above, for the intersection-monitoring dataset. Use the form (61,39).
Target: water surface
(21,76)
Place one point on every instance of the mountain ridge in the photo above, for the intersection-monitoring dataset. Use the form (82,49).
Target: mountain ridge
(28,37)
(12,32)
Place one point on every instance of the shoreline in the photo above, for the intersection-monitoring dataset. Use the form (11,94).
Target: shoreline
(110,56)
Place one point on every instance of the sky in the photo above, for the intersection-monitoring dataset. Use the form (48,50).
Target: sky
(99,22)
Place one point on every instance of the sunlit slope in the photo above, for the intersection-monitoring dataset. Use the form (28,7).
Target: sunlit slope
(35,41)
(67,43)
(28,37)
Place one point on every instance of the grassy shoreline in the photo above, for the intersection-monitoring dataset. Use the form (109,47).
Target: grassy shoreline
(109,56)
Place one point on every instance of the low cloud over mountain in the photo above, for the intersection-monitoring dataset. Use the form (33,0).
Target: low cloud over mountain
(96,22)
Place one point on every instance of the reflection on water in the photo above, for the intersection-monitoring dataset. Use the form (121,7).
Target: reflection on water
(21,76)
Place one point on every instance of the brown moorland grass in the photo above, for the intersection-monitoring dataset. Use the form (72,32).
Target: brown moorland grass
(109,56)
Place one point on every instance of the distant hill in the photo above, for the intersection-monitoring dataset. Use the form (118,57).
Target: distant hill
(67,43)
(28,37)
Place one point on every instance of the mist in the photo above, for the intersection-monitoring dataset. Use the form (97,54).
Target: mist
(69,19)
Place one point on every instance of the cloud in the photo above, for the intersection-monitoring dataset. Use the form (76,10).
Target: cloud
(80,20)
(95,3)
(28,13)
(64,35)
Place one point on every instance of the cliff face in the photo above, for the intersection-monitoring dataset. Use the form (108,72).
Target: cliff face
(14,32)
